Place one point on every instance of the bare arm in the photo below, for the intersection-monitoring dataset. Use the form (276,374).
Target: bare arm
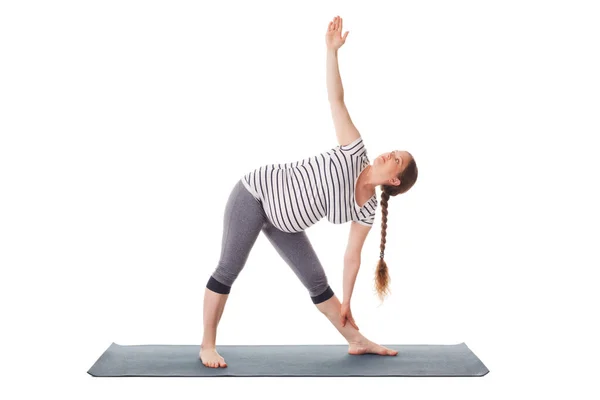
(352,257)
(345,130)
(335,90)
(351,268)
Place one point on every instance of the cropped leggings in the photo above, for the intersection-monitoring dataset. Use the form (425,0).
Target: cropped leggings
(244,219)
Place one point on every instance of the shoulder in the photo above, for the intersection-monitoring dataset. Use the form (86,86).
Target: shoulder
(357,143)
(354,149)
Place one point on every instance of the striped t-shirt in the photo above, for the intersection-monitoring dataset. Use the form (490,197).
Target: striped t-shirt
(298,194)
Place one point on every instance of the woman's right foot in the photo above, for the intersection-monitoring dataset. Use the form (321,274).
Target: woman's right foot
(366,346)
(211,358)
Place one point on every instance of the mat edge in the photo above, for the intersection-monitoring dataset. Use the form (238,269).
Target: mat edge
(89,371)
(113,344)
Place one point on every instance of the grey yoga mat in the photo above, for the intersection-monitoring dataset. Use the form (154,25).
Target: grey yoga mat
(288,360)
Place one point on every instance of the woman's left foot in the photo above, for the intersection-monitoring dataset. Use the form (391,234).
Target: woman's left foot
(367,346)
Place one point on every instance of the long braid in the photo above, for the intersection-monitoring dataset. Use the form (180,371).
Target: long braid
(407,178)
(382,277)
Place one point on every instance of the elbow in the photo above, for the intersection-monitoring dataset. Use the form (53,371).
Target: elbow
(337,99)
(352,259)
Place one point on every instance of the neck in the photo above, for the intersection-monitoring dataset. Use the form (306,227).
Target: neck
(368,181)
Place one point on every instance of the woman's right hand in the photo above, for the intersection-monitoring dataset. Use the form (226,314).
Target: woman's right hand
(347,315)
(333,37)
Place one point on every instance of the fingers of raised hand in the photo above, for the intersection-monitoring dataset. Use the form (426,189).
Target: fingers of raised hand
(335,24)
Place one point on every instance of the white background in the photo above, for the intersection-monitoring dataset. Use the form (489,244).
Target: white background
(125,124)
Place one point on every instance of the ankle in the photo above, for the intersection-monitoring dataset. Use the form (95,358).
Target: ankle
(208,347)
(358,339)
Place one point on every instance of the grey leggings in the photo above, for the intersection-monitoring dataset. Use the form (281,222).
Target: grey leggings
(244,219)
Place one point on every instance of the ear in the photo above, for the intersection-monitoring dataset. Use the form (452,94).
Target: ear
(395,182)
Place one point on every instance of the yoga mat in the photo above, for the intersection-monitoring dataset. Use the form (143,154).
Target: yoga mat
(288,360)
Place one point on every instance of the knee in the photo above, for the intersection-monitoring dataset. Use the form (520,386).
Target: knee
(225,274)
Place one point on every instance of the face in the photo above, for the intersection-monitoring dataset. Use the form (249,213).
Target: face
(388,166)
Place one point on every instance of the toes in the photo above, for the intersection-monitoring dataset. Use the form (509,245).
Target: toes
(215,364)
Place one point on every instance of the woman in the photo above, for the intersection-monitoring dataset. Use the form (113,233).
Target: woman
(283,200)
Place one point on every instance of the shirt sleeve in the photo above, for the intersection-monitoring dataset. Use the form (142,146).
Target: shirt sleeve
(366,216)
(355,149)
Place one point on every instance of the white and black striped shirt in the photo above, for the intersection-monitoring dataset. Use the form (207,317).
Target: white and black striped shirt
(298,194)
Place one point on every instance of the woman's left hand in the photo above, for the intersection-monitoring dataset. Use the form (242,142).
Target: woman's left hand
(333,37)
(347,315)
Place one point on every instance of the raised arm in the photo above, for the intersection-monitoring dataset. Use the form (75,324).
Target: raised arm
(345,130)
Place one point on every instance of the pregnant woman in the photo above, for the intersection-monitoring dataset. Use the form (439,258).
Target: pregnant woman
(283,200)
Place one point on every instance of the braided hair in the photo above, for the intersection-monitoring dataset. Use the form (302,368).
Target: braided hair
(407,178)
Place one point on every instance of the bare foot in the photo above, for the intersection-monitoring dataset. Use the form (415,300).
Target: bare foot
(211,358)
(364,347)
